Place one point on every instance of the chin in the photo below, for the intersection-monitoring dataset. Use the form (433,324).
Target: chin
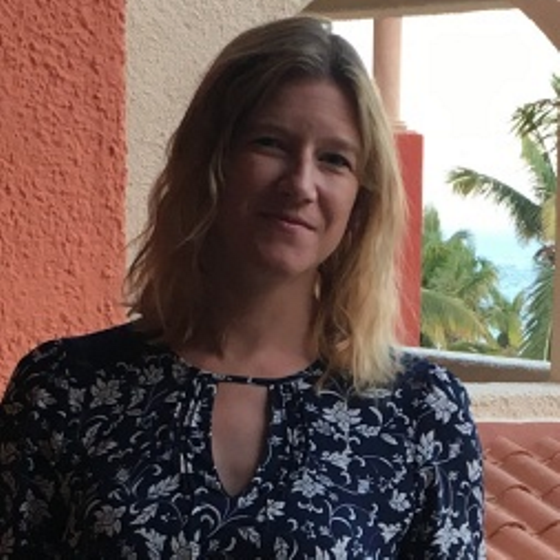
(288,268)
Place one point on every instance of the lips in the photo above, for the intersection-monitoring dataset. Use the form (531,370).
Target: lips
(289,220)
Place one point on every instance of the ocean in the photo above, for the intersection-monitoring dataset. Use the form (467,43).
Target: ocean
(513,260)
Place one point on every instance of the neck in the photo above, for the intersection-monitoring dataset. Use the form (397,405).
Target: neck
(260,329)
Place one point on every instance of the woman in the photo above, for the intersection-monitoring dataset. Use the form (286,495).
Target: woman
(258,407)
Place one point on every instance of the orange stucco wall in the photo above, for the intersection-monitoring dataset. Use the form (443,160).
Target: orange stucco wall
(62,170)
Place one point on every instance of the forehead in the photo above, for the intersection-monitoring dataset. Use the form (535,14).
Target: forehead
(285,91)
(312,103)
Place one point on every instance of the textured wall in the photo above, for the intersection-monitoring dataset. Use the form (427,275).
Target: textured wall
(169,45)
(515,401)
(62,169)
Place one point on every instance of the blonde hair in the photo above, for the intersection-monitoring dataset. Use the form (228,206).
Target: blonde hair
(358,287)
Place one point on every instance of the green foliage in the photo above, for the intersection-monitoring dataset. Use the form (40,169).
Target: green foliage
(462,307)
(456,285)
(505,316)
(533,215)
(524,213)
(538,315)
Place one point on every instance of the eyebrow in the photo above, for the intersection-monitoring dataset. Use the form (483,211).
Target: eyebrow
(337,142)
(345,145)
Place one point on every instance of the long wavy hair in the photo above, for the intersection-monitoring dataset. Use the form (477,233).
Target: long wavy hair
(357,290)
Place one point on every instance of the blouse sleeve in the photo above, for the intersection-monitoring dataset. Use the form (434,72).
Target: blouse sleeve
(448,523)
(33,415)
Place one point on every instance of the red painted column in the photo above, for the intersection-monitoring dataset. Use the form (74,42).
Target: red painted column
(387,71)
(62,170)
(410,146)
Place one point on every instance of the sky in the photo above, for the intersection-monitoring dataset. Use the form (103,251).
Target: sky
(463,75)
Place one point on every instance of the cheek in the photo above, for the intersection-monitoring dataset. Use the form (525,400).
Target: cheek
(251,168)
(345,209)
(243,188)
(237,189)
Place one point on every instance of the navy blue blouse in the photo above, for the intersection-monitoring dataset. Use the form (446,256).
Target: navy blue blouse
(105,452)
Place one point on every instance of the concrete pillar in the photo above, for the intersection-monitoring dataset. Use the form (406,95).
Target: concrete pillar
(387,40)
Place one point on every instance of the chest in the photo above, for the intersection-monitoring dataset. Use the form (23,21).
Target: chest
(313,474)
(239,421)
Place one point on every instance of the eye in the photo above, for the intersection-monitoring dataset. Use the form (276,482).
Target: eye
(267,142)
(336,160)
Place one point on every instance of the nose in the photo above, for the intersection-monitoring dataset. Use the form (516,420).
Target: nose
(300,179)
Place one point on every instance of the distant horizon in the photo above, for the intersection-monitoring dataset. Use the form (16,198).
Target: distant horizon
(514,260)
(515,263)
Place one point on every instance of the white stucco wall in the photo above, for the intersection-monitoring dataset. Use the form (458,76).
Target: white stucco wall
(515,401)
(169,45)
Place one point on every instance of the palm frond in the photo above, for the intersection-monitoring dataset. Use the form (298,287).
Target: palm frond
(524,213)
(548,220)
(539,121)
(538,316)
(444,316)
(490,348)
(540,168)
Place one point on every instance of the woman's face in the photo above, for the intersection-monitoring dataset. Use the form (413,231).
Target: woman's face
(290,182)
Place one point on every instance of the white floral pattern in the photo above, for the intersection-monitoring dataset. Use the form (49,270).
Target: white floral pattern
(105,452)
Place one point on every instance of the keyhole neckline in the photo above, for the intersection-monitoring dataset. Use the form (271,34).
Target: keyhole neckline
(311,372)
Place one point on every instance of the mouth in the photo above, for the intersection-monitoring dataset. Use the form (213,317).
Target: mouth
(289,220)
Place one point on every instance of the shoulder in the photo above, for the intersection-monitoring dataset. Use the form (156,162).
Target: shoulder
(101,348)
(421,380)
(418,382)
(421,396)
(427,398)
(439,406)
(96,349)
(61,363)
(415,383)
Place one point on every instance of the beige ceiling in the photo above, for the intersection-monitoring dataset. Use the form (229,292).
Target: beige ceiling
(544,13)
(383,8)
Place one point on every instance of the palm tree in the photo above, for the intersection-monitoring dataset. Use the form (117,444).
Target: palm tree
(504,316)
(455,283)
(533,216)
(462,307)
(538,314)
